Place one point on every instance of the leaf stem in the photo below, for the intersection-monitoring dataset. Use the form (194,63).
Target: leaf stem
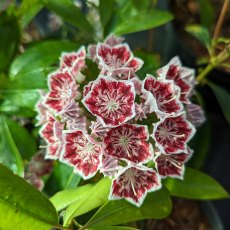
(205,72)
(221,19)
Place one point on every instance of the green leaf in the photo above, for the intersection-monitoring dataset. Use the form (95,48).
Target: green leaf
(9,108)
(28,10)
(106,8)
(25,143)
(66,197)
(69,12)
(22,206)
(61,178)
(26,78)
(9,154)
(142,20)
(223,97)
(97,196)
(39,56)
(9,39)
(157,205)
(207,13)
(201,33)
(151,63)
(196,185)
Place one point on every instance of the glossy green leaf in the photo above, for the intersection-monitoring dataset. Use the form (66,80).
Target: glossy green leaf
(157,205)
(22,206)
(142,20)
(69,12)
(196,185)
(61,178)
(151,63)
(26,78)
(106,8)
(66,197)
(223,97)
(28,10)
(112,228)
(40,56)
(9,39)
(25,143)
(201,33)
(9,154)
(97,196)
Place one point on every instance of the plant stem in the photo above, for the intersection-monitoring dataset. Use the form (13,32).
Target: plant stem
(221,19)
(205,72)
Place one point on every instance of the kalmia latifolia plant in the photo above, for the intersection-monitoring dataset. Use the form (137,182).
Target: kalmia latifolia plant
(133,131)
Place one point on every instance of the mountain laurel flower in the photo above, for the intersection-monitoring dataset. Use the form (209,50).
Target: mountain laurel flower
(172,134)
(81,153)
(172,165)
(128,142)
(133,183)
(97,118)
(111,101)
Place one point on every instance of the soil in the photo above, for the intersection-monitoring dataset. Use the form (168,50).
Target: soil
(185,215)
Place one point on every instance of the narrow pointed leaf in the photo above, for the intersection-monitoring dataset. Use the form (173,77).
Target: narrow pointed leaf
(196,185)
(9,154)
(223,97)
(97,196)
(157,205)
(69,12)
(201,33)
(142,20)
(66,197)
(22,206)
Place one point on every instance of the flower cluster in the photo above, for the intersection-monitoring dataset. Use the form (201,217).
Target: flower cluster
(131,130)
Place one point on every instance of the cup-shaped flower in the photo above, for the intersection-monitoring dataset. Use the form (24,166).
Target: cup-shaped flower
(164,94)
(195,114)
(183,77)
(117,60)
(172,165)
(172,134)
(111,101)
(81,153)
(74,62)
(133,183)
(109,166)
(128,142)
(63,89)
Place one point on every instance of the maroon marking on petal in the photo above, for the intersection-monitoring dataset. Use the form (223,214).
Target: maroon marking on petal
(81,153)
(128,142)
(112,101)
(165,94)
(172,165)
(172,134)
(134,183)
(113,57)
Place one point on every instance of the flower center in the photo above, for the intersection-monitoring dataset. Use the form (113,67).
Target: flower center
(163,132)
(123,141)
(112,105)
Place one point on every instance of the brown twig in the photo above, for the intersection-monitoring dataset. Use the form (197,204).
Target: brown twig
(221,19)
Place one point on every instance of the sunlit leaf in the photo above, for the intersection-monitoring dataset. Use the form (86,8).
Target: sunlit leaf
(22,206)
(97,196)
(66,197)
